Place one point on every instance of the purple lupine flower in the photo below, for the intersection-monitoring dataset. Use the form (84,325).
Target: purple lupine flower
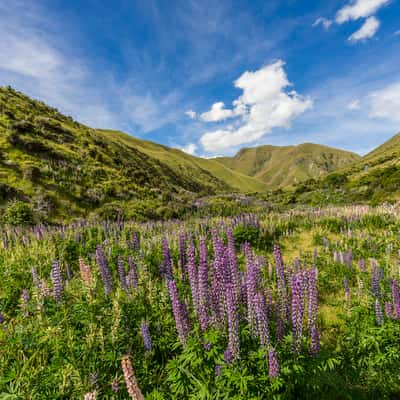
(182,253)
(167,263)
(218,370)
(312,298)
(132,278)
(388,309)
(283,306)
(207,346)
(375,283)
(233,262)
(145,333)
(229,356)
(122,274)
(203,295)
(178,311)
(378,312)
(136,241)
(361,264)
(297,310)
(105,272)
(193,275)
(2,319)
(273,364)
(262,321)
(56,277)
(233,320)
(396,300)
(252,276)
(315,341)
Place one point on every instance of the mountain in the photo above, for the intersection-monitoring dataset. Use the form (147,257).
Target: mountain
(282,166)
(67,169)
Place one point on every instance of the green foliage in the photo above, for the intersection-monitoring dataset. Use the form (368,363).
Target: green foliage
(18,213)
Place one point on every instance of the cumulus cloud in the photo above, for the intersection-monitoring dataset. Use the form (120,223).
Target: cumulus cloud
(354,105)
(367,30)
(359,9)
(191,114)
(190,148)
(265,104)
(218,112)
(325,22)
(385,103)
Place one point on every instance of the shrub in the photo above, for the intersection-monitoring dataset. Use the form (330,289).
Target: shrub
(19,213)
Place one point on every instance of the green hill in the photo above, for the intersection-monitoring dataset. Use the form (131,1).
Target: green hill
(282,166)
(65,169)
(374,178)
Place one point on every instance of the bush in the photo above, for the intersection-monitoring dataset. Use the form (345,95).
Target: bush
(19,213)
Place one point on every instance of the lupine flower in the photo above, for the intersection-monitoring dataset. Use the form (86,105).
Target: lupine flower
(233,262)
(130,379)
(182,253)
(283,307)
(2,319)
(104,270)
(203,294)
(56,277)
(252,277)
(25,297)
(132,278)
(375,283)
(207,346)
(90,395)
(361,264)
(167,264)
(85,272)
(115,386)
(181,321)
(262,321)
(145,332)
(388,309)
(273,364)
(193,275)
(136,241)
(35,278)
(122,274)
(315,341)
(229,356)
(312,298)
(218,370)
(297,310)
(233,321)
(378,312)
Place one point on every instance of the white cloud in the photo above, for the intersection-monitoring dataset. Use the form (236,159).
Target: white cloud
(191,114)
(190,148)
(264,104)
(218,112)
(325,22)
(385,103)
(367,30)
(397,33)
(359,9)
(354,105)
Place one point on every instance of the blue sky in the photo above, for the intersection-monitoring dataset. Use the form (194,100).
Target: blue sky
(212,76)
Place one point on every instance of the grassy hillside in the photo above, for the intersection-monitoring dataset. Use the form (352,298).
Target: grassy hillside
(64,169)
(282,166)
(374,178)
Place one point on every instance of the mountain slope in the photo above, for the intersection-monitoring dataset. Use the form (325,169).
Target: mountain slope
(58,164)
(281,166)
